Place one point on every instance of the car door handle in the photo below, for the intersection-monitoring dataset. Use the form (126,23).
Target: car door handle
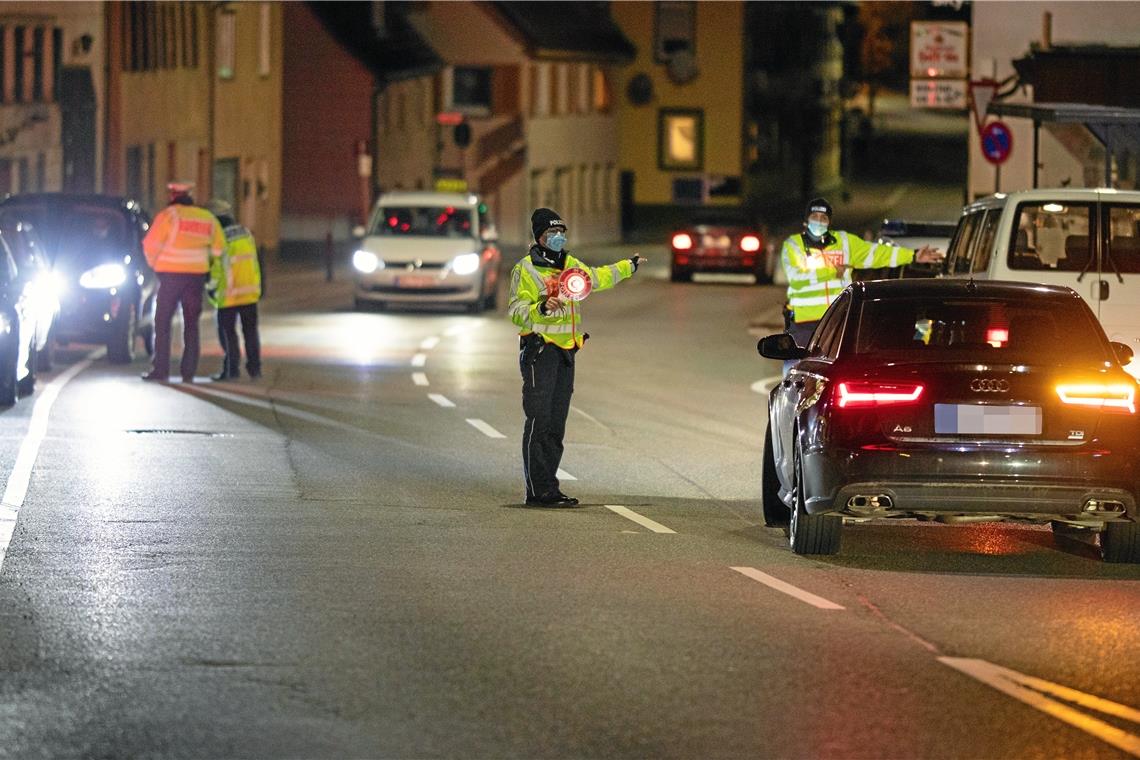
(1103,290)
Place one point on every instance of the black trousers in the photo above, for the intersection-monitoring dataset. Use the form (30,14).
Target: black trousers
(228,337)
(548,384)
(176,288)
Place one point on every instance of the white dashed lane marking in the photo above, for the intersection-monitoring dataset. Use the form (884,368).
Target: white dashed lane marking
(443,401)
(787,588)
(429,343)
(419,378)
(563,475)
(484,428)
(419,360)
(629,514)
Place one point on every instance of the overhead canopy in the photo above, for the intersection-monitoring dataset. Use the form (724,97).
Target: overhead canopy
(1116,127)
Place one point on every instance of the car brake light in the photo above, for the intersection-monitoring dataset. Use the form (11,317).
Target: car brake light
(853,394)
(1108,397)
(750,243)
(682,241)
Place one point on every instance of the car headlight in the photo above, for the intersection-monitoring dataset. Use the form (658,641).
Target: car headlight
(465,263)
(367,262)
(103,277)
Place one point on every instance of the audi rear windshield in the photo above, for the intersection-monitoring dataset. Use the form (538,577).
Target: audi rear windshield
(429,221)
(1026,331)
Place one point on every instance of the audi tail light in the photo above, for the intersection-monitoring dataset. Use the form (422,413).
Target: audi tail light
(1108,397)
(750,243)
(853,394)
(682,241)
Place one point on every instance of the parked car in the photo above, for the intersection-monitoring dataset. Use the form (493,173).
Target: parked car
(27,308)
(428,247)
(1085,238)
(912,235)
(721,243)
(34,269)
(106,288)
(954,401)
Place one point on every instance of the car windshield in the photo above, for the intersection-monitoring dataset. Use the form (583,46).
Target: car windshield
(77,232)
(425,221)
(1024,331)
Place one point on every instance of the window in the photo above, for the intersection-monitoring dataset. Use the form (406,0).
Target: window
(264,39)
(227,31)
(424,221)
(601,91)
(471,89)
(985,247)
(1123,252)
(18,44)
(963,243)
(680,138)
(824,343)
(675,30)
(1051,236)
(38,63)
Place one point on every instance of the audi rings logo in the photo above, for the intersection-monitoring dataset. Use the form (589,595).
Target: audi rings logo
(989,385)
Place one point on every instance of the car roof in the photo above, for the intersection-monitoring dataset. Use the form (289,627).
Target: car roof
(1070,194)
(427,198)
(921,287)
(110,201)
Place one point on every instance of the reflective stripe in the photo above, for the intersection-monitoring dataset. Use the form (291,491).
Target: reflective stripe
(846,247)
(560,328)
(894,255)
(809,301)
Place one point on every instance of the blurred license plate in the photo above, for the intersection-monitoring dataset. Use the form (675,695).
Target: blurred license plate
(986,419)
(415,281)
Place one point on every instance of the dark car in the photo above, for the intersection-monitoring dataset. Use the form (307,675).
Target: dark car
(720,244)
(27,308)
(106,288)
(958,402)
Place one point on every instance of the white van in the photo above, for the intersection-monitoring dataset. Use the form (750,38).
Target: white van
(1085,238)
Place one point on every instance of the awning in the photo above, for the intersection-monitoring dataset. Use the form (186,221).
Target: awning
(1116,127)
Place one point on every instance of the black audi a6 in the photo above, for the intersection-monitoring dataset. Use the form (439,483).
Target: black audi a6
(958,402)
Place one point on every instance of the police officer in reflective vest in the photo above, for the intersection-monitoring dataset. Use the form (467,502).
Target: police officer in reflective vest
(234,290)
(550,334)
(179,246)
(818,263)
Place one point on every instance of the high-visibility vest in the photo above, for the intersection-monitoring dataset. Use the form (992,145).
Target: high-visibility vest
(183,239)
(235,276)
(813,279)
(529,288)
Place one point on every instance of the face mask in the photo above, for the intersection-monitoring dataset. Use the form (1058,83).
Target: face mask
(817,229)
(556,242)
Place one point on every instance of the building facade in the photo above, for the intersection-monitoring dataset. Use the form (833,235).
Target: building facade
(1004,32)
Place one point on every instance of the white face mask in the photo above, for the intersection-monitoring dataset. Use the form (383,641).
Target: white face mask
(817,229)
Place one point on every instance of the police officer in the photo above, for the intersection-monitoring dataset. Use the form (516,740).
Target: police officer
(550,334)
(818,263)
(234,290)
(179,247)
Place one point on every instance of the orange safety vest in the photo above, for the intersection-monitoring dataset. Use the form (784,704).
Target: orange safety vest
(183,239)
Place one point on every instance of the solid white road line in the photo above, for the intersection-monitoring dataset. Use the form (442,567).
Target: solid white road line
(765,386)
(484,428)
(629,514)
(563,475)
(419,378)
(419,360)
(1032,692)
(443,401)
(789,589)
(429,343)
(17,488)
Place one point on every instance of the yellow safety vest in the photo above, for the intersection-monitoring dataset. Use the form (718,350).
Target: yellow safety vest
(183,239)
(529,289)
(813,277)
(235,276)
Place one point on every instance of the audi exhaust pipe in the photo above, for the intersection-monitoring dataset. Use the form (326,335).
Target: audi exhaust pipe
(877,501)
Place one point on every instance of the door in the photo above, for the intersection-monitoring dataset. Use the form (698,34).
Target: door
(225,184)
(1119,282)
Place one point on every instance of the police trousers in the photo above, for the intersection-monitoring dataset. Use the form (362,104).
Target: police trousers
(228,336)
(548,384)
(175,289)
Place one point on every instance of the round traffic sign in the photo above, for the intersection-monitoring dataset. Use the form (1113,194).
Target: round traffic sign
(574,284)
(997,142)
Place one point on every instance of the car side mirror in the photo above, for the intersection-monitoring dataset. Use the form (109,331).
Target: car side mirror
(358,231)
(1124,352)
(780,346)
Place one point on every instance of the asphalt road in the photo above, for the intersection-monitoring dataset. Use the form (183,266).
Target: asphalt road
(334,561)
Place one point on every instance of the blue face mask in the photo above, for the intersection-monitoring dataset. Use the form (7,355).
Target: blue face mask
(556,242)
(817,229)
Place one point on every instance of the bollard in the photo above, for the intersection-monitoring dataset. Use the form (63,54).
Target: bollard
(328,257)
